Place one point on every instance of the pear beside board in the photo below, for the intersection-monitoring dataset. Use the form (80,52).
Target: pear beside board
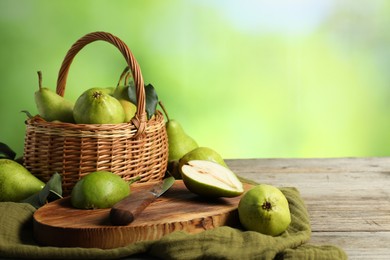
(179,142)
(16,182)
(52,106)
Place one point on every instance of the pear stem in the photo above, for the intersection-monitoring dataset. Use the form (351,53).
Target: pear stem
(163,108)
(137,178)
(40,79)
(125,71)
(128,76)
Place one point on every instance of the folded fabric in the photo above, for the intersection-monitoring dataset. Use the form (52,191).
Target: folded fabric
(230,243)
(16,240)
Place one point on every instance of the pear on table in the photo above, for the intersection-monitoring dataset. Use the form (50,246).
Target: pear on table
(52,106)
(210,179)
(16,182)
(179,143)
(265,209)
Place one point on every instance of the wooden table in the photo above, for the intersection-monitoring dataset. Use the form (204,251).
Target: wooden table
(348,199)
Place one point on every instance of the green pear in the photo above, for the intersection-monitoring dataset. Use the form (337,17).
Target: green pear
(95,106)
(100,189)
(52,106)
(129,108)
(210,179)
(265,209)
(121,93)
(179,143)
(16,182)
(202,153)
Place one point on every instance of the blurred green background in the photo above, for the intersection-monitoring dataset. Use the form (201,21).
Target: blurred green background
(247,78)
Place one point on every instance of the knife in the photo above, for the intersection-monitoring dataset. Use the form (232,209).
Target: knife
(126,210)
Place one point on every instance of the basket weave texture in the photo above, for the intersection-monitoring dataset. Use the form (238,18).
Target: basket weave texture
(137,148)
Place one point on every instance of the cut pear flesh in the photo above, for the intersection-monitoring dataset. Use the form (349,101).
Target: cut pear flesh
(210,179)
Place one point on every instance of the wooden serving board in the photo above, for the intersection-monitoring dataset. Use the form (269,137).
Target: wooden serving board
(59,224)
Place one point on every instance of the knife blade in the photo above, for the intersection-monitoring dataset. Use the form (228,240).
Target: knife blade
(126,210)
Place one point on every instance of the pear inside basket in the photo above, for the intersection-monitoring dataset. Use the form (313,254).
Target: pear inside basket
(110,129)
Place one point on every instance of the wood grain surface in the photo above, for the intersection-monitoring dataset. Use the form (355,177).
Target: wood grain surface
(59,224)
(348,199)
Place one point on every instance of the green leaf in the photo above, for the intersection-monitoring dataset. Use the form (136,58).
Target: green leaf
(132,93)
(151,98)
(6,152)
(50,192)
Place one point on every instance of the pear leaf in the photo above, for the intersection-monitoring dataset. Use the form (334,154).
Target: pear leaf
(132,93)
(50,192)
(6,152)
(151,98)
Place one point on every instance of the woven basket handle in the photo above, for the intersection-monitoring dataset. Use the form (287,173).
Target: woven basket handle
(140,118)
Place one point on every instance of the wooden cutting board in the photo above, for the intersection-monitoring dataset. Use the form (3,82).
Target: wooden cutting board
(59,224)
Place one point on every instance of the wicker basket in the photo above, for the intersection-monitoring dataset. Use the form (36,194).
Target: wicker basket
(136,148)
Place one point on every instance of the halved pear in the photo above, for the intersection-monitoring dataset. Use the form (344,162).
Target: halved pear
(210,179)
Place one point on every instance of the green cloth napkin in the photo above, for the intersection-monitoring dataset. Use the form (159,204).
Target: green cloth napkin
(16,240)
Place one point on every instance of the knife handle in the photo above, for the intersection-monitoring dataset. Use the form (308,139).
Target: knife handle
(126,210)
